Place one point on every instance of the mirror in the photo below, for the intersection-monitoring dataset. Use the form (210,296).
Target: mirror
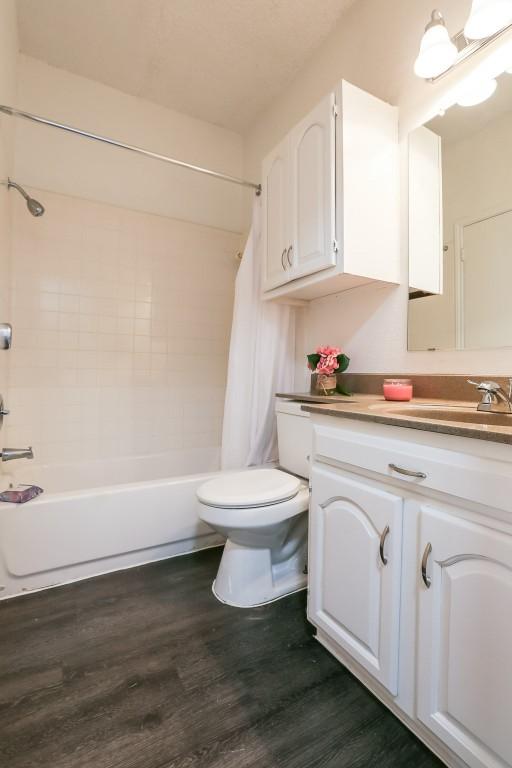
(460,227)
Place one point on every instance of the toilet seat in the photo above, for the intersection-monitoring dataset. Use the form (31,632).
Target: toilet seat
(249,489)
(250,518)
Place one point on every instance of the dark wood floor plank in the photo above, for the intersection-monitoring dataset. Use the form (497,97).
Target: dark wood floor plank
(146,669)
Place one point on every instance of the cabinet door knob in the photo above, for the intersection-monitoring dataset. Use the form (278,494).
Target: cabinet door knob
(424,561)
(282,258)
(383,537)
(288,255)
(407,472)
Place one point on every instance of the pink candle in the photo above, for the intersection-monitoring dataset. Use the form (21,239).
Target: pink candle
(397,389)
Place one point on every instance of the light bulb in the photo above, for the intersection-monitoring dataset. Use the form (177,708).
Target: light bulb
(473,92)
(487,17)
(437,51)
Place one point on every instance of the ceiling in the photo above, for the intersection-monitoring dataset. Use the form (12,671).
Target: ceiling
(223,61)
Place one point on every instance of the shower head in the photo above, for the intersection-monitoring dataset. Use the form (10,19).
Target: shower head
(34,206)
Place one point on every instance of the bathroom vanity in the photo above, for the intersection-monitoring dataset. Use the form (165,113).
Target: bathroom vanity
(410,563)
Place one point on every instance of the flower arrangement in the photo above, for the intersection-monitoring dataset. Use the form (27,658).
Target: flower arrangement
(326,362)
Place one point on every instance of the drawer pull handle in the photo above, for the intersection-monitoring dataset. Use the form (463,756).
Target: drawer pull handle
(408,472)
(383,537)
(424,561)
(282,258)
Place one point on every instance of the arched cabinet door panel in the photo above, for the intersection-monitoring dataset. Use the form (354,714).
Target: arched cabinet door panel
(312,164)
(465,637)
(355,569)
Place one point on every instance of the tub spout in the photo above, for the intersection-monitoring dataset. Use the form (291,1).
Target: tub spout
(8,454)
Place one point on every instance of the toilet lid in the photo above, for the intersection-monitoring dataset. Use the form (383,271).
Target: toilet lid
(254,488)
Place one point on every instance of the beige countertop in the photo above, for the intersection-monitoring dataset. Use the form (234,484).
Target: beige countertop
(375,408)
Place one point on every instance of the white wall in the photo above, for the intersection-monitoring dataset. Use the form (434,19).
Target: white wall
(50,159)
(8,61)
(374,46)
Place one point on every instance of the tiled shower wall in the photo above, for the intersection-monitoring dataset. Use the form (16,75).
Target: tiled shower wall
(121,332)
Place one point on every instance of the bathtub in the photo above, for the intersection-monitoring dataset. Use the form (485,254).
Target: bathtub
(95,517)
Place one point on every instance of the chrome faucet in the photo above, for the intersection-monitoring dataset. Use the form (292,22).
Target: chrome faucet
(9,454)
(492,395)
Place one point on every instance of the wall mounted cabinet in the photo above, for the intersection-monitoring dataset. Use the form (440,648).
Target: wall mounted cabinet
(299,200)
(330,199)
(425,212)
(411,579)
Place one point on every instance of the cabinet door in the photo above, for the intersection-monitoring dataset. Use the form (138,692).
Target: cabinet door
(353,596)
(276,230)
(312,165)
(425,212)
(465,633)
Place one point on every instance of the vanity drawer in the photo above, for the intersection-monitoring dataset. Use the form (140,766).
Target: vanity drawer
(459,474)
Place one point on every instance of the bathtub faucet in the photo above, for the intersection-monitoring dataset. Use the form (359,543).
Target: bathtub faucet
(8,454)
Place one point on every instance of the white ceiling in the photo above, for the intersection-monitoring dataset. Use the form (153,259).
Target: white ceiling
(219,60)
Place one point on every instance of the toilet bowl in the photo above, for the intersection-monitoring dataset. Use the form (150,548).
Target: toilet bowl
(263,515)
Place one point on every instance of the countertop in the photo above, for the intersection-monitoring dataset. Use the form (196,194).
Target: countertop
(374,408)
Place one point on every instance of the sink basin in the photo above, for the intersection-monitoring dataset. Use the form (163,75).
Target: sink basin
(458,414)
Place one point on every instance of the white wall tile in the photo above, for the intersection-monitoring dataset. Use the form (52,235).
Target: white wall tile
(121,332)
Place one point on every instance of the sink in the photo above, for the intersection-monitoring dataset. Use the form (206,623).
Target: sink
(458,414)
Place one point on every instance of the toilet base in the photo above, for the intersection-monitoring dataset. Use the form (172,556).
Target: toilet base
(258,605)
(248,577)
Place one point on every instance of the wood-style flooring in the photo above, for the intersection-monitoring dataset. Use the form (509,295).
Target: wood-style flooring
(144,668)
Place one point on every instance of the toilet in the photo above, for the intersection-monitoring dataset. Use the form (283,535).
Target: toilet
(262,512)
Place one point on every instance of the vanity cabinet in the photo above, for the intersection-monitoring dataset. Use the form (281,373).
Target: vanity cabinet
(330,193)
(464,690)
(411,578)
(355,567)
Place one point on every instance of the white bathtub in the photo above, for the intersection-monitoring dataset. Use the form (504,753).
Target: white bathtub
(96,517)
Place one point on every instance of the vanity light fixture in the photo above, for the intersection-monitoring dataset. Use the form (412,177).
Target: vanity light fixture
(439,53)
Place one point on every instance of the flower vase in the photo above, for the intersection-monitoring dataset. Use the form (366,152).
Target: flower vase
(326,384)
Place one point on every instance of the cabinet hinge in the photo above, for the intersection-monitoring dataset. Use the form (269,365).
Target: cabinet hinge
(335,246)
(335,110)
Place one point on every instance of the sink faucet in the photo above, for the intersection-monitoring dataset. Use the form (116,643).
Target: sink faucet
(493,395)
(8,454)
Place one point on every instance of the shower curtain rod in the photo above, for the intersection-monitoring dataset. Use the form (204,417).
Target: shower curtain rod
(105,140)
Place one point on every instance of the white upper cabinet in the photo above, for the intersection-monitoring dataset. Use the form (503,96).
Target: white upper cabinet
(425,212)
(330,199)
(465,629)
(355,569)
(312,188)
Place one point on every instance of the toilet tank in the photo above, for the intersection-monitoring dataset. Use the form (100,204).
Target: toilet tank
(294,437)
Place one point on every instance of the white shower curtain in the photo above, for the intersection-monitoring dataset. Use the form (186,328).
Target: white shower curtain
(261,363)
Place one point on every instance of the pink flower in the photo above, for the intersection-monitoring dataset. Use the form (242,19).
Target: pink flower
(328,351)
(327,365)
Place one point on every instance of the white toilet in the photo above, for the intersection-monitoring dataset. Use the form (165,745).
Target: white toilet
(263,514)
